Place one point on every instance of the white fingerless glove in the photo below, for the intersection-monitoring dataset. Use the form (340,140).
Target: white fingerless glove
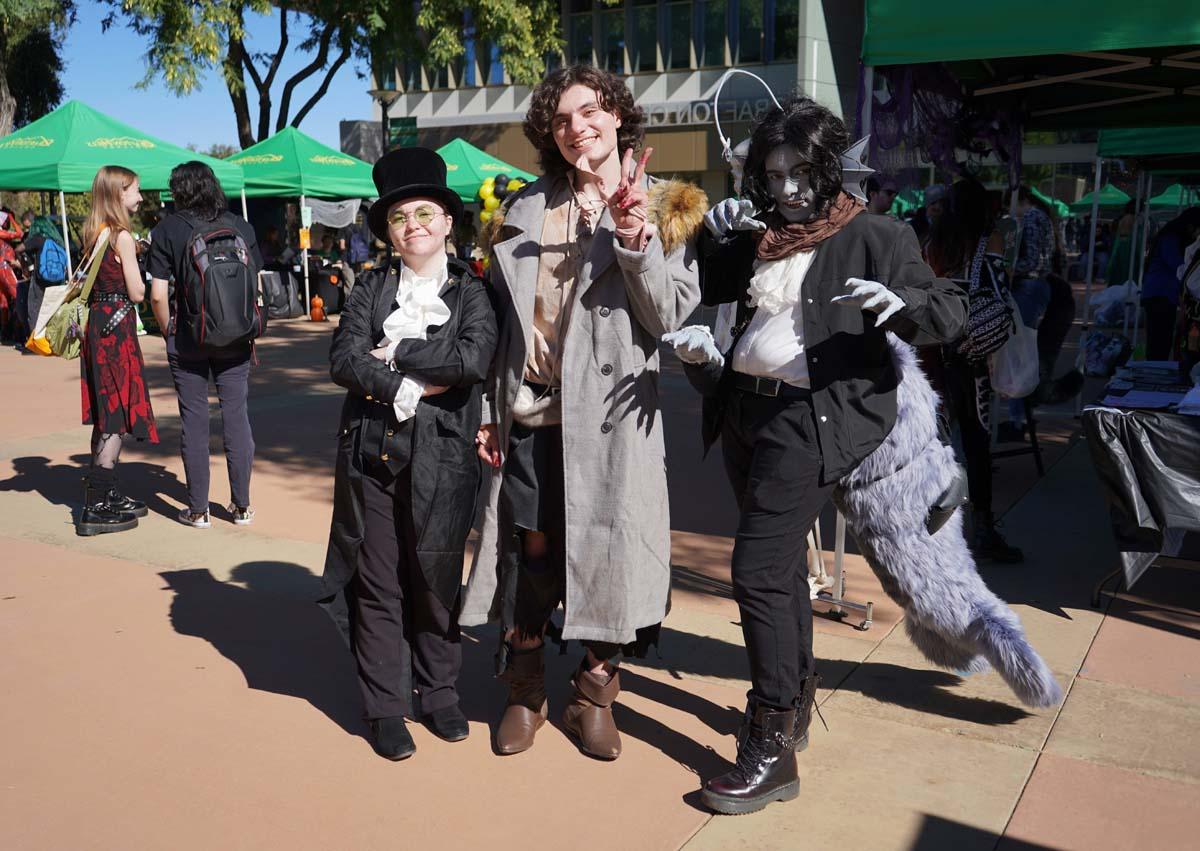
(695,344)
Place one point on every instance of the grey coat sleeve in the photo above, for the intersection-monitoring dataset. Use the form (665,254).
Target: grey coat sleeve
(663,290)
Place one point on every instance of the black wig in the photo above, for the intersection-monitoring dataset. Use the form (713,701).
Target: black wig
(818,136)
(194,189)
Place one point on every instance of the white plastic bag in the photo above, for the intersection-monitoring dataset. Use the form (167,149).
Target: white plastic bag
(1013,368)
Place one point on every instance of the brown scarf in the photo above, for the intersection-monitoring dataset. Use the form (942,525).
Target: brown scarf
(780,240)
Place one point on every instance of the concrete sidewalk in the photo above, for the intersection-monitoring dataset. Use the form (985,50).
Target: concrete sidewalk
(171,687)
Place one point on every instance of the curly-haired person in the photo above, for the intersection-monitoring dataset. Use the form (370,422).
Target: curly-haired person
(595,253)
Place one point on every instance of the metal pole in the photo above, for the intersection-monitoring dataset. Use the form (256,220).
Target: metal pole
(304,260)
(868,98)
(1137,308)
(245,215)
(1137,214)
(62,211)
(1081,358)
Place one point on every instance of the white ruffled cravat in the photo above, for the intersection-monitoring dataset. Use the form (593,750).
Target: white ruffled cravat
(776,283)
(417,307)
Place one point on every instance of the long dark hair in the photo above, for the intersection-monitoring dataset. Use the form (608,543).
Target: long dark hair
(818,136)
(968,218)
(195,190)
(613,95)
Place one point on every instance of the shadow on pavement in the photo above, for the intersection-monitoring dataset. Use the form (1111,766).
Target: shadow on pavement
(940,834)
(62,484)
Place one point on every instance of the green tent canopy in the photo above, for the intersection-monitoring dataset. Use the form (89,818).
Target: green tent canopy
(467,168)
(1110,198)
(1175,197)
(290,164)
(1148,142)
(63,150)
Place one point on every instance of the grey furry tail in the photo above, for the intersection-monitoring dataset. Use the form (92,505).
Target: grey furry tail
(1014,659)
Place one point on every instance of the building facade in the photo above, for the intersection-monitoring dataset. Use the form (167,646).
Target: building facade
(671,53)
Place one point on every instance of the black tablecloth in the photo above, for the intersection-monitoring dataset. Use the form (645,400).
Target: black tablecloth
(1149,464)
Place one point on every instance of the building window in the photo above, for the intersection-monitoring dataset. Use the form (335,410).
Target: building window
(466,71)
(494,67)
(643,54)
(787,30)
(612,31)
(677,43)
(411,76)
(579,31)
(750,31)
(714,24)
(438,77)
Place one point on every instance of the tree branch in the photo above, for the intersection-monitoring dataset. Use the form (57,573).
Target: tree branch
(234,62)
(264,90)
(303,74)
(320,92)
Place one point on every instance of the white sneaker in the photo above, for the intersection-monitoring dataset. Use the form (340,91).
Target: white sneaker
(196,521)
(241,516)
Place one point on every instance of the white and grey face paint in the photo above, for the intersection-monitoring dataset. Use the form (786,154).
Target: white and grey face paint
(789,184)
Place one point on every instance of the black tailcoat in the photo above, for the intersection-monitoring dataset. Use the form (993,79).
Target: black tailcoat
(445,467)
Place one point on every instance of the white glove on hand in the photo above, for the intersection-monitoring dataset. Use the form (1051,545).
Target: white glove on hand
(732,214)
(872,296)
(695,344)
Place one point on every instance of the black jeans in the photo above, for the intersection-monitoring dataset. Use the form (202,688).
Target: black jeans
(1160,327)
(961,402)
(773,461)
(404,636)
(232,377)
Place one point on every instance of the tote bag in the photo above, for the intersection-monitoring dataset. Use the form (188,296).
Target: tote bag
(67,325)
(1013,368)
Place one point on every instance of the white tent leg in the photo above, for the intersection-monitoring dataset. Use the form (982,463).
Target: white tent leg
(1137,217)
(62,211)
(869,98)
(1081,359)
(245,215)
(1137,306)
(304,260)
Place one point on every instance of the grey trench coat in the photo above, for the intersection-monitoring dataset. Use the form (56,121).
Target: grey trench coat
(618,538)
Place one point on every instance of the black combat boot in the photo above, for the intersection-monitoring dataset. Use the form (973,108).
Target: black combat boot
(804,710)
(97,517)
(987,544)
(765,770)
(117,501)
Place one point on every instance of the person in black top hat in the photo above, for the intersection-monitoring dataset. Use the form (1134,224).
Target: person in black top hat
(412,348)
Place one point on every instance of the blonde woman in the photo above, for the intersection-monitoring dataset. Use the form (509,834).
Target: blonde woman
(115,401)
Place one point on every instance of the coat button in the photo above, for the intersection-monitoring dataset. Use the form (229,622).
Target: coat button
(824,419)
(370,398)
(814,360)
(606,427)
(391,433)
(383,457)
(604,311)
(606,369)
(810,301)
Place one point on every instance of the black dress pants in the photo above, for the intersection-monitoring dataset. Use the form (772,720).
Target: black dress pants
(404,636)
(773,461)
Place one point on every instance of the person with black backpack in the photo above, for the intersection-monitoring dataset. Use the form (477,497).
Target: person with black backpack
(210,322)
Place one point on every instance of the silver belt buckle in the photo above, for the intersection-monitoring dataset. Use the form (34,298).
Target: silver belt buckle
(771,382)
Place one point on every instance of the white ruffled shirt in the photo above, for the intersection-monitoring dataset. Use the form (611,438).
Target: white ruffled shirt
(773,345)
(417,307)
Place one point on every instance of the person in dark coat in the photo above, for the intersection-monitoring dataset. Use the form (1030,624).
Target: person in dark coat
(801,387)
(413,346)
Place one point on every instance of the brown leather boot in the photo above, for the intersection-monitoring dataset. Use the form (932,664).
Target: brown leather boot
(526,710)
(589,714)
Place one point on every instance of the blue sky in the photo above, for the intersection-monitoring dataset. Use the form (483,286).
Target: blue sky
(103,70)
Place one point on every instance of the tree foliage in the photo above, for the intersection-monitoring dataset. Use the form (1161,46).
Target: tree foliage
(31,34)
(186,38)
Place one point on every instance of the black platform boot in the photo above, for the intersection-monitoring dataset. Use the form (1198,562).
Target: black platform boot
(117,501)
(804,710)
(97,517)
(765,770)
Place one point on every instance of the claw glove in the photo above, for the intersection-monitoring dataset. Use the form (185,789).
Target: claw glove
(695,344)
(872,296)
(732,214)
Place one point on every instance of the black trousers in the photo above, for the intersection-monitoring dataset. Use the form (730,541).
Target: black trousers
(404,636)
(961,400)
(773,461)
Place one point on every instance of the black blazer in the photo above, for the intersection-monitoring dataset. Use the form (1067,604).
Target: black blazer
(849,364)
(445,468)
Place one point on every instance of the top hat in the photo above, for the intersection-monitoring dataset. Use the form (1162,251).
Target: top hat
(409,173)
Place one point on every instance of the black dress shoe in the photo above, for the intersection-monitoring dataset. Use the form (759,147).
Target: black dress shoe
(391,738)
(448,723)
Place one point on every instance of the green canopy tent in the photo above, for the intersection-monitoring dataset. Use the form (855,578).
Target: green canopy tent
(62,151)
(467,167)
(1175,197)
(1110,199)
(291,164)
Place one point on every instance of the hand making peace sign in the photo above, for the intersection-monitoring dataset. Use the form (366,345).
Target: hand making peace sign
(628,203)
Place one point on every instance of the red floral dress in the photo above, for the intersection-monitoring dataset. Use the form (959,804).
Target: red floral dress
(111,366)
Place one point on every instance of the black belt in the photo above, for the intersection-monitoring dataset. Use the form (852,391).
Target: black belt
(126,307)
(773,387)
(113,297)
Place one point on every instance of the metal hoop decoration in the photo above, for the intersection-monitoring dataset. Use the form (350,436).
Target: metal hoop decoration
(726,149)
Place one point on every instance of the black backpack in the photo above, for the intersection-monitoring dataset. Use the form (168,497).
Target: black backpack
(218,300)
